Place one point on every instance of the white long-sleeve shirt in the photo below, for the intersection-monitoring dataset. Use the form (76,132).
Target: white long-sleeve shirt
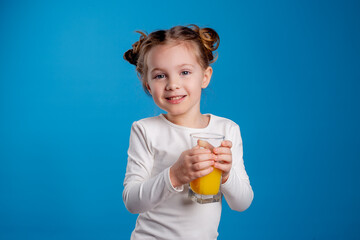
(166,212)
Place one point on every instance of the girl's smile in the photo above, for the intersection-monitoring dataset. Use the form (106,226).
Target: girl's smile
(176,99)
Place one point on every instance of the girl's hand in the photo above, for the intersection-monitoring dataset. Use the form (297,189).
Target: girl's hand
(192,164)
(224,159)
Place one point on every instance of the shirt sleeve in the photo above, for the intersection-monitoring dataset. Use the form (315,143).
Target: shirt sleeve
(142,192)
(237,189)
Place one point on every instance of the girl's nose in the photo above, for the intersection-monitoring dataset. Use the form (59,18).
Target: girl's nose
(172,84)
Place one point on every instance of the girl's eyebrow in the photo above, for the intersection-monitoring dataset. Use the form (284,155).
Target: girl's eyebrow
(185,65)
(178,66)
(156,69)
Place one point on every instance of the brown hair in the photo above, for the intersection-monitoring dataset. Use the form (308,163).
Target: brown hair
(206,40)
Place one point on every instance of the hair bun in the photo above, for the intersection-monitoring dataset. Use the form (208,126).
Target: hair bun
(210,40)
(132,55)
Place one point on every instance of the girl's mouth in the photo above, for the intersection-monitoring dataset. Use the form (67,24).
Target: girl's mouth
(176,99)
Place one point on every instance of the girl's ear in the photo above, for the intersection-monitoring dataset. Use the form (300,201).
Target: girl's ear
(148,87)
(207,77)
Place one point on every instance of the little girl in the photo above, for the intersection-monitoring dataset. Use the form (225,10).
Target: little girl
(174,67)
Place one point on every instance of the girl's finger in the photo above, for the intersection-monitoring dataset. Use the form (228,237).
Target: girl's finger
(223,158)
(203,172)
(226,143)
(203,157)
(205,144)
(199,151)
(222,150)
(203,165)
(196,147)
(225,167)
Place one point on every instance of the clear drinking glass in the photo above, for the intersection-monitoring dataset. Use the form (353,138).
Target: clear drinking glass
(206,189)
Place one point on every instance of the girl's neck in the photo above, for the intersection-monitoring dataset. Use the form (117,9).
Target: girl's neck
(196,121)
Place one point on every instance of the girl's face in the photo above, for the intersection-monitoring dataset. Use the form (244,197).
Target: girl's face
(175,78)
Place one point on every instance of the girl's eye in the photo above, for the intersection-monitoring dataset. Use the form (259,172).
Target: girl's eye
(159,76)
(185,73)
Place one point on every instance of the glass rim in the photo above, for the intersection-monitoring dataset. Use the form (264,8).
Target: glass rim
(201,135)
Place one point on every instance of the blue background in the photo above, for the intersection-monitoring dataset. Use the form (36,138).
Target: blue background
(288,73)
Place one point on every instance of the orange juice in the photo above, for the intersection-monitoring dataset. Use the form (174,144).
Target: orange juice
(206,189)
(207,185)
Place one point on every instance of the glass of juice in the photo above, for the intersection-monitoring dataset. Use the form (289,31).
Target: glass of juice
(206,189)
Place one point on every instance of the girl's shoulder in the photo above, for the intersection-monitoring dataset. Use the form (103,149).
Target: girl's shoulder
(148,120)
(223,121)
(150,123)
(227,127)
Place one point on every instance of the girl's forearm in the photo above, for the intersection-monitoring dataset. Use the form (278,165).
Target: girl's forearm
(142,196)
(237,191)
